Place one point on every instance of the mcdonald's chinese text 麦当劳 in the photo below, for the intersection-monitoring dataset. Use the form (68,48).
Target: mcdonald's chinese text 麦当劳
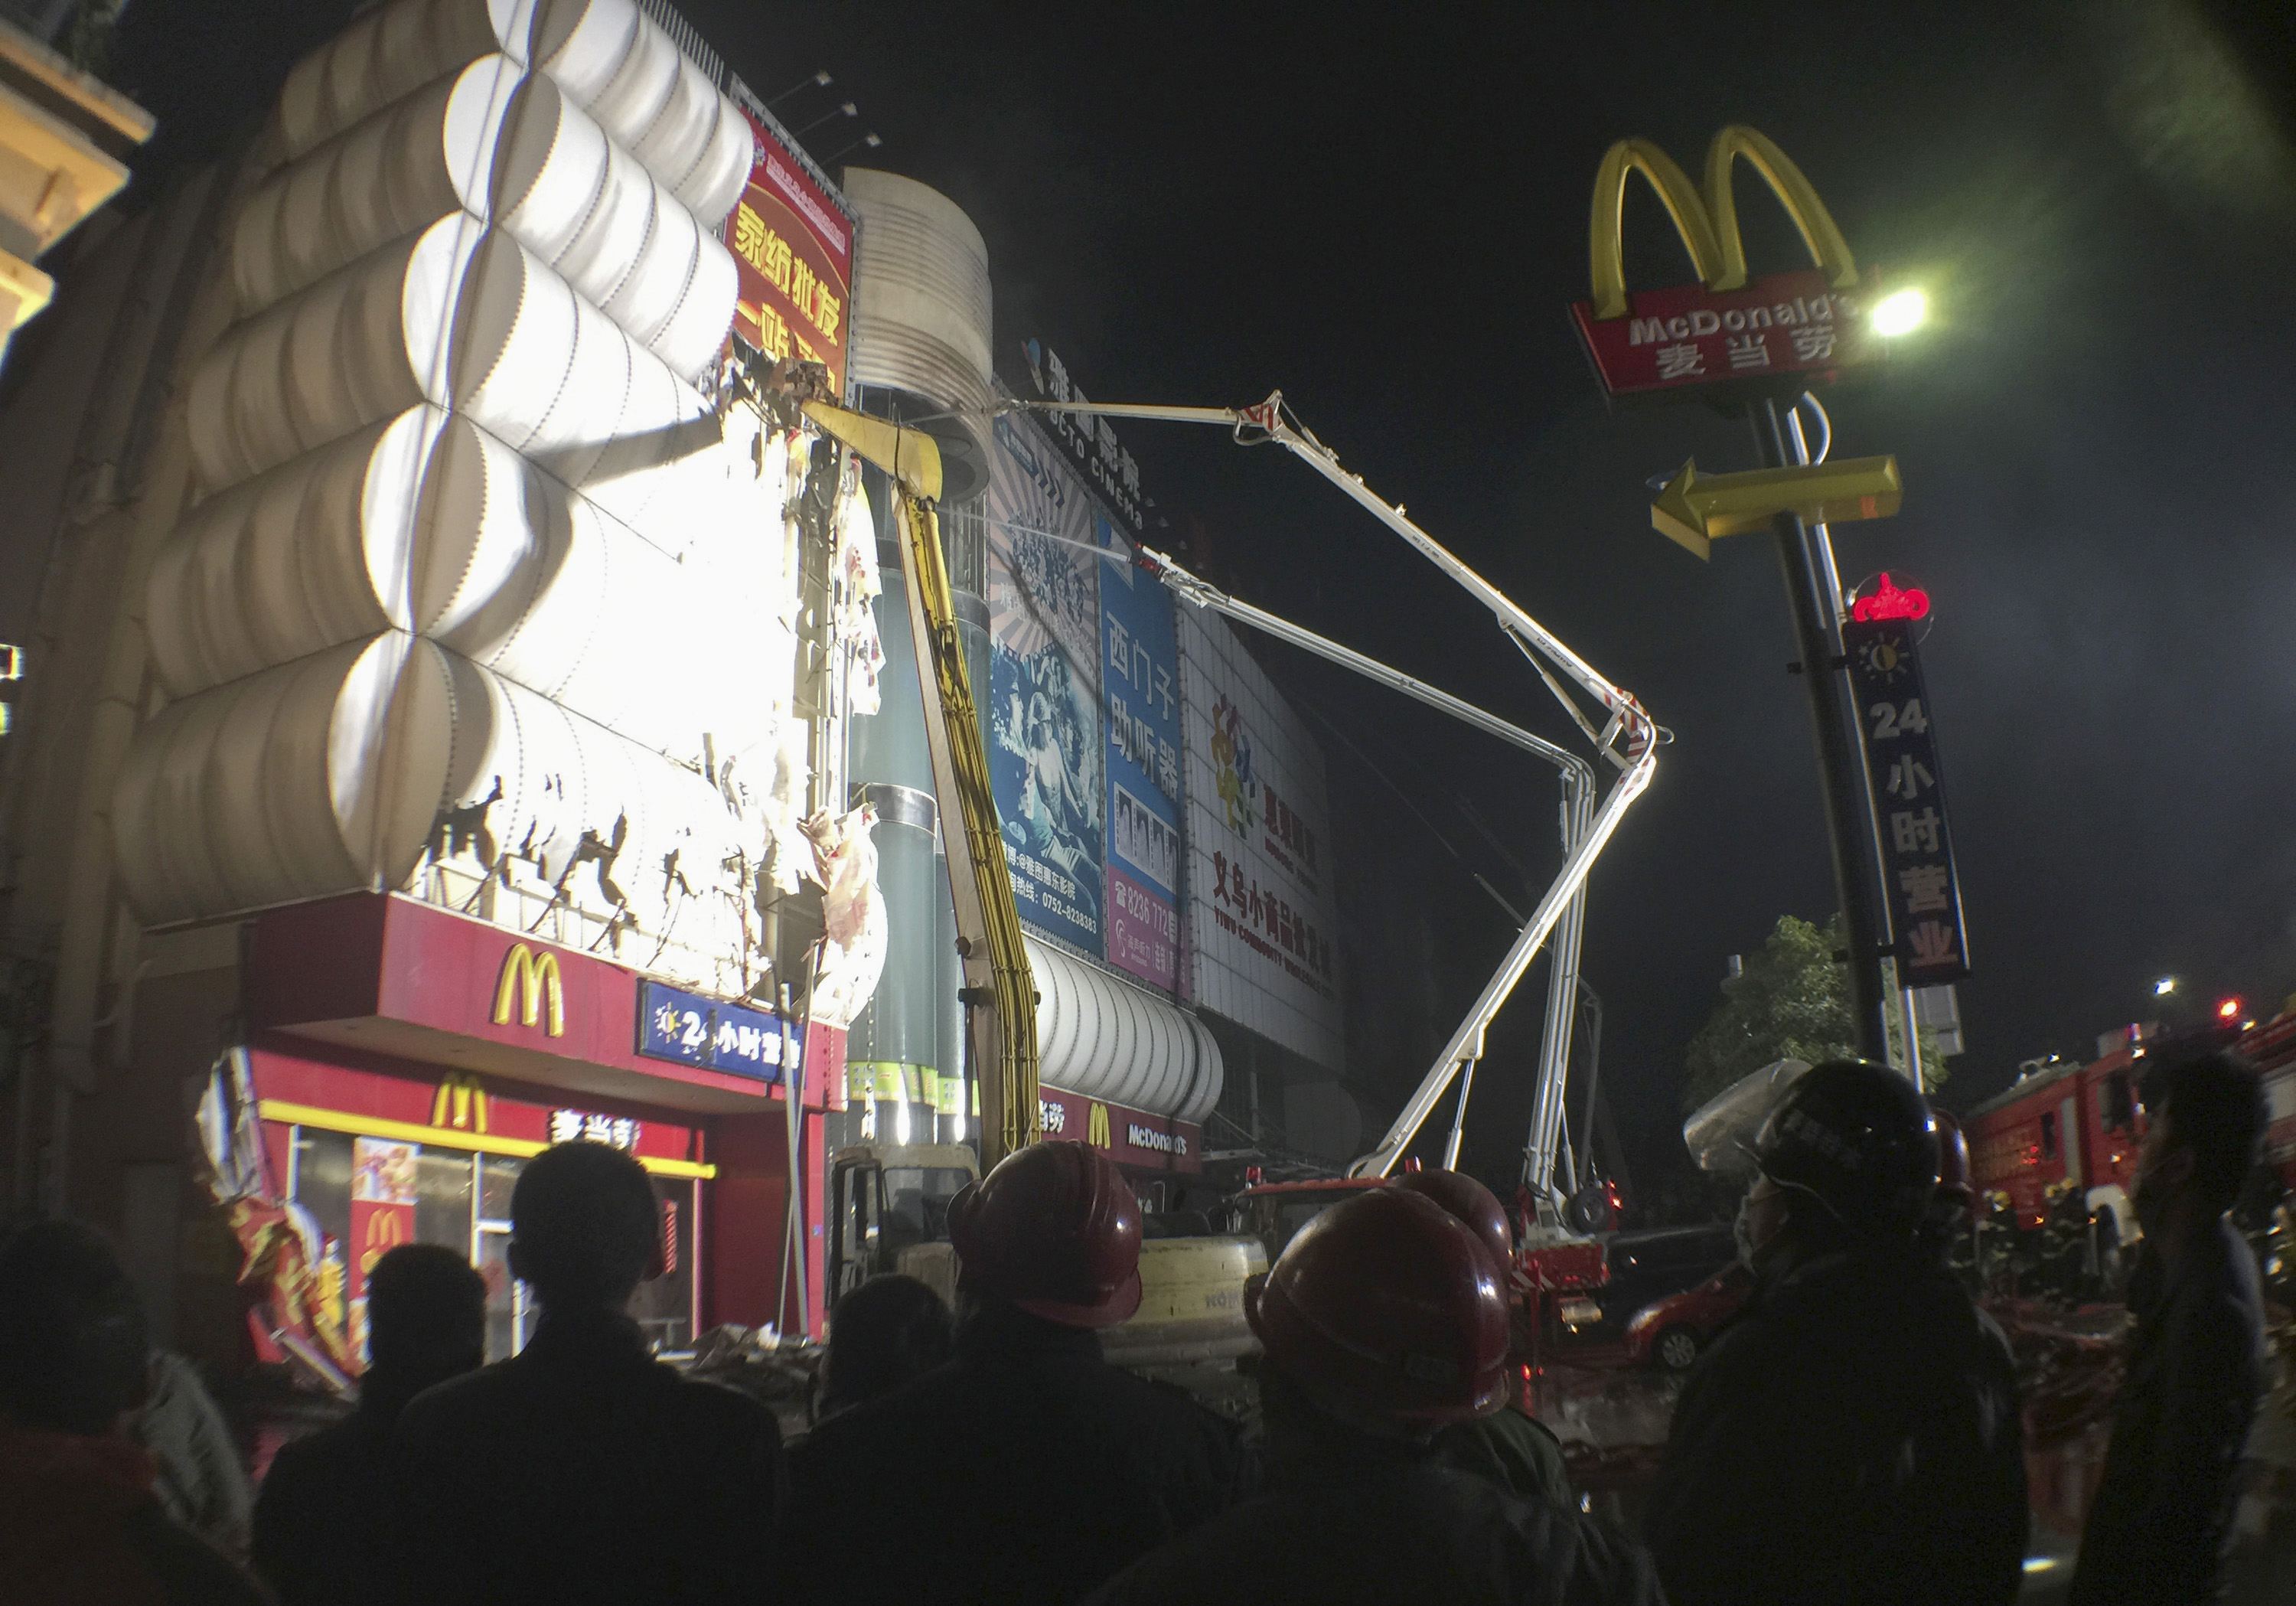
(1725,330)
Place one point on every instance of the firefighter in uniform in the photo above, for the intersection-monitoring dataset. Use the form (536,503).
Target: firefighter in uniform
(1028,1468)
(1384,1323)
(1510,1447)
(1855,1437)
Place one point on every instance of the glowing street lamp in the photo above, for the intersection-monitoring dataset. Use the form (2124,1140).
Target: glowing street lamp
(2164,986)
(1900,312)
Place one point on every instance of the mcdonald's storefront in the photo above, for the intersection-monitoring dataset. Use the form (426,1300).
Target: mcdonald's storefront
(406,1061)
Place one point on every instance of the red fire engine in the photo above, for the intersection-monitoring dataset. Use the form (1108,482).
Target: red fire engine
(2082,1123)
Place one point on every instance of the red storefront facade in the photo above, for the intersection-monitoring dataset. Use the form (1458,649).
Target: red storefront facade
(405,1060)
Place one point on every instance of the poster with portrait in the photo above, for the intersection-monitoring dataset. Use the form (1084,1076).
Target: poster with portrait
(382,1217)
(1046,751)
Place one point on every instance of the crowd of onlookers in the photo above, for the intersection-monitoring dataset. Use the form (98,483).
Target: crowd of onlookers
(1854,1438)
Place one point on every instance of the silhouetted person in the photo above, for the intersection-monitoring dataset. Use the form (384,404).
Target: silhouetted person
(1854,1438)
(201,1483)
(582,1469)
(1028,1468)
(883,1336)
(79,1522)
(1510,1447)
(2162,1515)
(323,1532)
(1383,1325)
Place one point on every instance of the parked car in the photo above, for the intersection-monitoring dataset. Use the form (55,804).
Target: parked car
(1670,1332)
(1641,1268)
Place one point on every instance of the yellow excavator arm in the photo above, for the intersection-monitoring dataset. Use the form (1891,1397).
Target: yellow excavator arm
(1000,994)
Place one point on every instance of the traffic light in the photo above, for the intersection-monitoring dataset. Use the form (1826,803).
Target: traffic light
(2228,1011)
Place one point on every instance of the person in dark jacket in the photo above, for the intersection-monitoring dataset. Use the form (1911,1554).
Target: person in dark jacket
(1382,1324)
(1510,1447)
(1855,1437)
(2157,1530)
(1028,1468)
(322,1534)
(80,1521)
(883,1335)
(582,1469)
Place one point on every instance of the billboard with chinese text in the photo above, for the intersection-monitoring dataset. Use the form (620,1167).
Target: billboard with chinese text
(1046,757)
(792,245)
(1919,883)
(1140,688)
(1262,918)
(1089,443)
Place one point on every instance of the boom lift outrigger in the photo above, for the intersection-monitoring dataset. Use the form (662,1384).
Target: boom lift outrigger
(1627,739)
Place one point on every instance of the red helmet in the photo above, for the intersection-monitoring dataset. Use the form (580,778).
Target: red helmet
(1953,1160)
(1055,1228)
(1472,1203)
(1387,1307)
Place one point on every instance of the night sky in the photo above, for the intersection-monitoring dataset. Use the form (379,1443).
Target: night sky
(1384,211)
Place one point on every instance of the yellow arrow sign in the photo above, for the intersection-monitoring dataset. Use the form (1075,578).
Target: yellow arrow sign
(1697,509)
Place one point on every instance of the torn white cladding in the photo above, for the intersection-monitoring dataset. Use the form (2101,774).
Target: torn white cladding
(854,931)
(481,599)
(343,769)
(611,59)
(463,317)
(429,524)
(514,151)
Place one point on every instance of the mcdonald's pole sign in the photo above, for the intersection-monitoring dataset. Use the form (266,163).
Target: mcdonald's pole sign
(1761,341)
(1726,331)
(531,982)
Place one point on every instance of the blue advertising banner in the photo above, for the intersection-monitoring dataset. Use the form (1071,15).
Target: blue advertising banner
(1918,879)
(1046,754)
(686,1030)
(1140,687)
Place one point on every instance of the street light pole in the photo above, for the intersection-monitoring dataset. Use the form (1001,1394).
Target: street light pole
(1817,637)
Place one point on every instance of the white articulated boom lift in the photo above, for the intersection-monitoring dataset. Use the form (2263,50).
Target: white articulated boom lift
(1625,736)
(1000,997)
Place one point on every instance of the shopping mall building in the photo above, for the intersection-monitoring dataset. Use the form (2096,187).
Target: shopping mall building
(460,713)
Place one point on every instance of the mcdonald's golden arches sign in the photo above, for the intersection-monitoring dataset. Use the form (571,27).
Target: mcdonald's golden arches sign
(460,1103)
(1725,330)
(531,982)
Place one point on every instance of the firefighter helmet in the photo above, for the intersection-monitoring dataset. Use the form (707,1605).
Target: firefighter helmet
(1953,1160)
(1387,1310)
(1857,1138)
(1473,1203)
(1055,1228)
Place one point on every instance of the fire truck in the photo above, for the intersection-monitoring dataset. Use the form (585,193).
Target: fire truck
(2066,1127)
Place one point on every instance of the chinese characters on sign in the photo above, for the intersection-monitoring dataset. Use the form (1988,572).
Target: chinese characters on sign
(1090,442)
(1262,929)
(587,1126)
(1140,685)
(1787,325)
(685,1030)
(1922,893)
(792,249)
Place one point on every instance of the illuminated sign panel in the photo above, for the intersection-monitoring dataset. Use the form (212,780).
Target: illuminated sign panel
(792,245)
(1724,331)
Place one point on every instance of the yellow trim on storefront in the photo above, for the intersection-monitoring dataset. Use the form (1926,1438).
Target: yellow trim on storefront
(445,1137)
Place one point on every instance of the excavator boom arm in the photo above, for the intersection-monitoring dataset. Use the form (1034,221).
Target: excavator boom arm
(1000,993)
